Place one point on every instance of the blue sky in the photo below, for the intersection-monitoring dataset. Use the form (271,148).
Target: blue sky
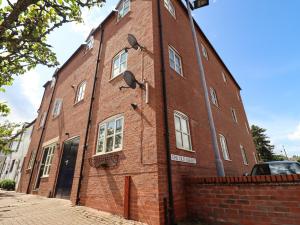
(257,40)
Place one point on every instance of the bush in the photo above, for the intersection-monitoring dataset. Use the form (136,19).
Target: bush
(8,185)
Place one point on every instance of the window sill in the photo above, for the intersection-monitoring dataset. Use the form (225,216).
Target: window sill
(228,160)
(119,76)
(119,19)
(107,153)
(78,103)
(46,176)
(187,150)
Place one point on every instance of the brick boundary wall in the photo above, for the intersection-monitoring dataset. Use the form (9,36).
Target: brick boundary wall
(259,200)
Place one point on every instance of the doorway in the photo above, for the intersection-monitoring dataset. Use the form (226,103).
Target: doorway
(67,168)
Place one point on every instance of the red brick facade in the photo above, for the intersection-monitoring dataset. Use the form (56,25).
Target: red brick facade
(262,200)
(143,155)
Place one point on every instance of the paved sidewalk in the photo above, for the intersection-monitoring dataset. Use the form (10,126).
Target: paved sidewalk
(21,209)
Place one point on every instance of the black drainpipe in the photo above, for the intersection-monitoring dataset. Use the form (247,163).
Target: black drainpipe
(85,146)
(42,134)
(171,215)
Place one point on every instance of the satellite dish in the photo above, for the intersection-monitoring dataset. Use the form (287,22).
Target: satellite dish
(133,41)
(129,79)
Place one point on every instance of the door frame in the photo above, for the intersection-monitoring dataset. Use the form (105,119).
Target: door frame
(59,164)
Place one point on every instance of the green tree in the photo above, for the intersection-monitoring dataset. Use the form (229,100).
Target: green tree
(6,135)
(262,143)
(278,157)
(24,27)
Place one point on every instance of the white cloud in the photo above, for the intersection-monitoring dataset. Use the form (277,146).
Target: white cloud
(31,88)
(295,135)
(92,18)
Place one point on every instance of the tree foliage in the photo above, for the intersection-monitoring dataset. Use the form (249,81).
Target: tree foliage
(262,143)
(24,27)
(6,135)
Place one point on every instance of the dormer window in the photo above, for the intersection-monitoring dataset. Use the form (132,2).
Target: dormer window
(123,8)
(52,82)
(90,43)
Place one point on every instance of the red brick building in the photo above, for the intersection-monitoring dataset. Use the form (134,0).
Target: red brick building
(107,148)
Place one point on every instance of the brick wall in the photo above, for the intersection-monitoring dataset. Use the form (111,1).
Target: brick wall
(262,200)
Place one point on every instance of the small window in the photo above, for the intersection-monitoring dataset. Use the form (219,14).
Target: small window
(47,159)
(247,128)
(175,60)
(90,43)
(80,91)
(244,156)
(43,119)
(224,147)
(31,160)
(224,77)
(110,135)
(182,131)
(56,107)
(233,113)
(169,5)
(213,95)
(119,64)
(255,157)
(238,96)
(123,8)
(204,52)
(52,82)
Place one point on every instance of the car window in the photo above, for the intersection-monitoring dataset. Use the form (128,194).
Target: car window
(284,168)
(262,169)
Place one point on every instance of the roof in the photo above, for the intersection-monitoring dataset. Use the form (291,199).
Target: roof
(113,12)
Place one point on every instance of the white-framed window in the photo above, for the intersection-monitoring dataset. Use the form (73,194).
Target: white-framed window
(244,155)
(43,119)
(52,82)
(213,96)
(238,96)
(110,135)
(224,147)
(255,157)
(47,159)
(175,60)
(57,107)
(182,131)
(224,77)
(31,160)
(123,8)
(247,128)
(90,43)
(233,113)
(80,91)
(169,5)
(119,63)
(204,51)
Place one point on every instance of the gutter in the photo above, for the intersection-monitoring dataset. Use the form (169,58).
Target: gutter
(43,130)
(170,211)
(89,117)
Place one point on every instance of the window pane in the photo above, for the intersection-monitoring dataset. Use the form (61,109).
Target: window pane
(186,141)
(100,145)
(177,123)
(184,126)
(178,139)
(118,140)
(119,125)
(177,64)
(109,144)
(102,131)
(110,128)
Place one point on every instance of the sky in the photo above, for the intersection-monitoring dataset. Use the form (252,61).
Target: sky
(258,41)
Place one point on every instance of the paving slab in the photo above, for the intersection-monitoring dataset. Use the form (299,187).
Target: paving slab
(23,209)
